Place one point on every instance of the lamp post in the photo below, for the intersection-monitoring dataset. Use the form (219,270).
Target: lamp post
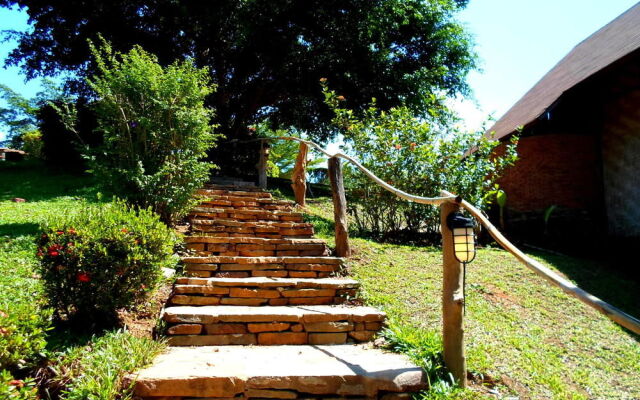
(458,249)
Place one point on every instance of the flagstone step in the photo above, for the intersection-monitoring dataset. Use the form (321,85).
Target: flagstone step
(283,372)
(245,215)
(267,229)
(237,193)
(262,291)
(252,246)
(273,325)
(280,267)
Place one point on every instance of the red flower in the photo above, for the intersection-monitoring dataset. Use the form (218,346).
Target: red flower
(412,145)
(59,233)
(71,231)
(124,230)
(143,286)
(54,253)
(340,98)
(83,277)
(398,147)
(17,382)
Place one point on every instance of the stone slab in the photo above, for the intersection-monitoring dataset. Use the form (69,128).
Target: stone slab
(340,370)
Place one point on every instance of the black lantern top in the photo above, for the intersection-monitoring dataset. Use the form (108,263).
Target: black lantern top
(457,220)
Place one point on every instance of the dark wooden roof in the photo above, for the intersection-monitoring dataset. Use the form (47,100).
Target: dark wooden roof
(612,42)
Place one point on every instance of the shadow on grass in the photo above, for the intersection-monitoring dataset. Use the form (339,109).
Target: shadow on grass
(15,230)
(605,283)
(34,181)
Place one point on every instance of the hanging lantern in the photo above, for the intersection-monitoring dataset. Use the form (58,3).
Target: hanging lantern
(464,238)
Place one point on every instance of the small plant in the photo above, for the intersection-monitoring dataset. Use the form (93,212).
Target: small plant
(546,216)
(103,258)
(16,389)
(96,371)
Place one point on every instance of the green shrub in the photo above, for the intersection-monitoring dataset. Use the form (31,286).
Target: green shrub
(418,156)
(103,258)
(155,129)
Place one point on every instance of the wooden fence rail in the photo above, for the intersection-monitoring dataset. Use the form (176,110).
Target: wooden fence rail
(452,299)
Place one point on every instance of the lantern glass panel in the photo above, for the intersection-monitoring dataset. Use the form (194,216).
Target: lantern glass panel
(464,244)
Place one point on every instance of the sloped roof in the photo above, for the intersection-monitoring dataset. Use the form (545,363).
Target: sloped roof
(615,40)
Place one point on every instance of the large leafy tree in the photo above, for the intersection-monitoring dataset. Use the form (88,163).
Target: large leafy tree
(266,56)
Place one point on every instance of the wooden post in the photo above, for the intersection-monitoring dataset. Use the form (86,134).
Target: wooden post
(452,302)
(299,179)
(339,208)
(262,165)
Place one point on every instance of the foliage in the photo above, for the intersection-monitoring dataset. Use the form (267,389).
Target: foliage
(24,319)
(266,55)
(418,156)
(155,129)
(283,153)
(16,389)
(102,258)
(95,371)
(19,117)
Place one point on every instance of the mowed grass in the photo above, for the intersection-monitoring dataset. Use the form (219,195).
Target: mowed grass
(524,337)
(85,367)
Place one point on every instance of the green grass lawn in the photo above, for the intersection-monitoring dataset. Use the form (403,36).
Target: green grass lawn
(87,366)
(525,335)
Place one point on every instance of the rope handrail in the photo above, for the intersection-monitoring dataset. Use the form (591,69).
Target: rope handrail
(615,314)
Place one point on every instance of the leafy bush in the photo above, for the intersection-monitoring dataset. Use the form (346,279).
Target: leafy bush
(155,129)
(103,258)
(417,156)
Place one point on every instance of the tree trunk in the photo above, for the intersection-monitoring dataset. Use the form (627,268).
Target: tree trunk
(299,179)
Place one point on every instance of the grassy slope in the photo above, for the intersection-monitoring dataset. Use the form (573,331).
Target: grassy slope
(530,336)
(47,193)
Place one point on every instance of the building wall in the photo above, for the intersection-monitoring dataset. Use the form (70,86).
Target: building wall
(553,169)
(621,163)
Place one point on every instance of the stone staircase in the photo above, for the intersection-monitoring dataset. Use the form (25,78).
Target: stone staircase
(265,313)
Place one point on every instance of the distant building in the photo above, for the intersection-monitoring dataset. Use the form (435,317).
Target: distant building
(580,146)
(7,154)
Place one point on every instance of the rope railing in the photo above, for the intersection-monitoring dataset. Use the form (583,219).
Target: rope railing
(615,314)
(453,282)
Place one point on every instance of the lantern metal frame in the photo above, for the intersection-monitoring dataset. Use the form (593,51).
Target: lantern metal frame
(457,220)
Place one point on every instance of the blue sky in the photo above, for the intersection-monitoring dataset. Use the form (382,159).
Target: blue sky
(518,41)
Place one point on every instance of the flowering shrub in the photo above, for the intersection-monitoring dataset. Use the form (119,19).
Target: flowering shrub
(418,156)
(103,258)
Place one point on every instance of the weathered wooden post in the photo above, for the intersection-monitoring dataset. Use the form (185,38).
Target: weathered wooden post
(339,208)
(452,301)
(299,179)
(262,165)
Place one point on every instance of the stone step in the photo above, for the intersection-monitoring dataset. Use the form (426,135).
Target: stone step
(277,267)
(245,215)
(284,372)
(255,194)
(274,325)
(262,291)
(267,229)
(252,246)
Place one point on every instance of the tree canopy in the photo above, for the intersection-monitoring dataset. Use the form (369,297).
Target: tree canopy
(267,56)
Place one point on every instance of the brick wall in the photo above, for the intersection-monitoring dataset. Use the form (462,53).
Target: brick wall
(560,169)
(621,164)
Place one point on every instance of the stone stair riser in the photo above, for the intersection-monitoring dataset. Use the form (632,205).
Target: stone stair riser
(256,250)
(261,270)
(272,333)
(257,216)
